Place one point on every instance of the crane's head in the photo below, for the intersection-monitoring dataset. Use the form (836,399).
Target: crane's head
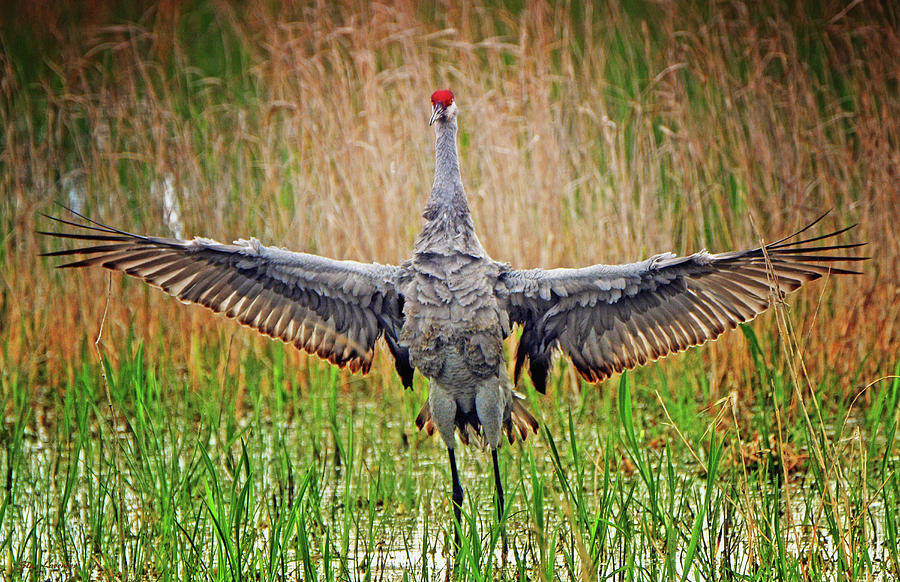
(444,106)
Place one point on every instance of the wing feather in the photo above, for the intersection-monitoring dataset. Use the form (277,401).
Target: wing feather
(609,318)
(335,309)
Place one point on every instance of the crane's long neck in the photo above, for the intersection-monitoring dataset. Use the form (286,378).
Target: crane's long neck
(448,228)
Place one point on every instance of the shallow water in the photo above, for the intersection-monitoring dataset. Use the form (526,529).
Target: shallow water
(106,497)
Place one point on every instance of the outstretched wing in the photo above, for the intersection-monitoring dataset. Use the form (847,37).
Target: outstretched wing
(609,318)
(335,309)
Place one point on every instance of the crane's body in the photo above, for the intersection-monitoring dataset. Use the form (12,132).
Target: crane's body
(454,325)
(446,311)
(454,330)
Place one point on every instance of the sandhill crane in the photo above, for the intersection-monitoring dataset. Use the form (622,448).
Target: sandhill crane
(446,311)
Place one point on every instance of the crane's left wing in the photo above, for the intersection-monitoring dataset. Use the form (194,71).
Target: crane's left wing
(609,318)
(335,309)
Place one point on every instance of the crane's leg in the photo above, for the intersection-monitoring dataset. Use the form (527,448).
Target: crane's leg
(443,413)
(457,496)
(498,484)
(500,504)
(490,402)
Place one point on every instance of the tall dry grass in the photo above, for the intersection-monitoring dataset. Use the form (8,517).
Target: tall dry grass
(587,135)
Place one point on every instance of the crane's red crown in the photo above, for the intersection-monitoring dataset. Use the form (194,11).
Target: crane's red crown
(444,97)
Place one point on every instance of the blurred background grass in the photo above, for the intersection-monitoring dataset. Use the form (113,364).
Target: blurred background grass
(587,134)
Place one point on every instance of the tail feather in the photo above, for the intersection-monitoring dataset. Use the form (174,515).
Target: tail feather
(521,419)
(517,424)
(424,420)
(467,425)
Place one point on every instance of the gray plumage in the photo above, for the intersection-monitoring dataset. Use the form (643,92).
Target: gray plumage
(610,318)
(447,310)
(335,309)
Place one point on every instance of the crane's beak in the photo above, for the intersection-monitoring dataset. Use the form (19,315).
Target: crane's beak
(438,109)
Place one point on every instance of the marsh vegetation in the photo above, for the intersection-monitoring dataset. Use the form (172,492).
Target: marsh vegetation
(143,439)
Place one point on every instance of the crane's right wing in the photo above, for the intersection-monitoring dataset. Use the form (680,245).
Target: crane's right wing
(335,309)
(609,318)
